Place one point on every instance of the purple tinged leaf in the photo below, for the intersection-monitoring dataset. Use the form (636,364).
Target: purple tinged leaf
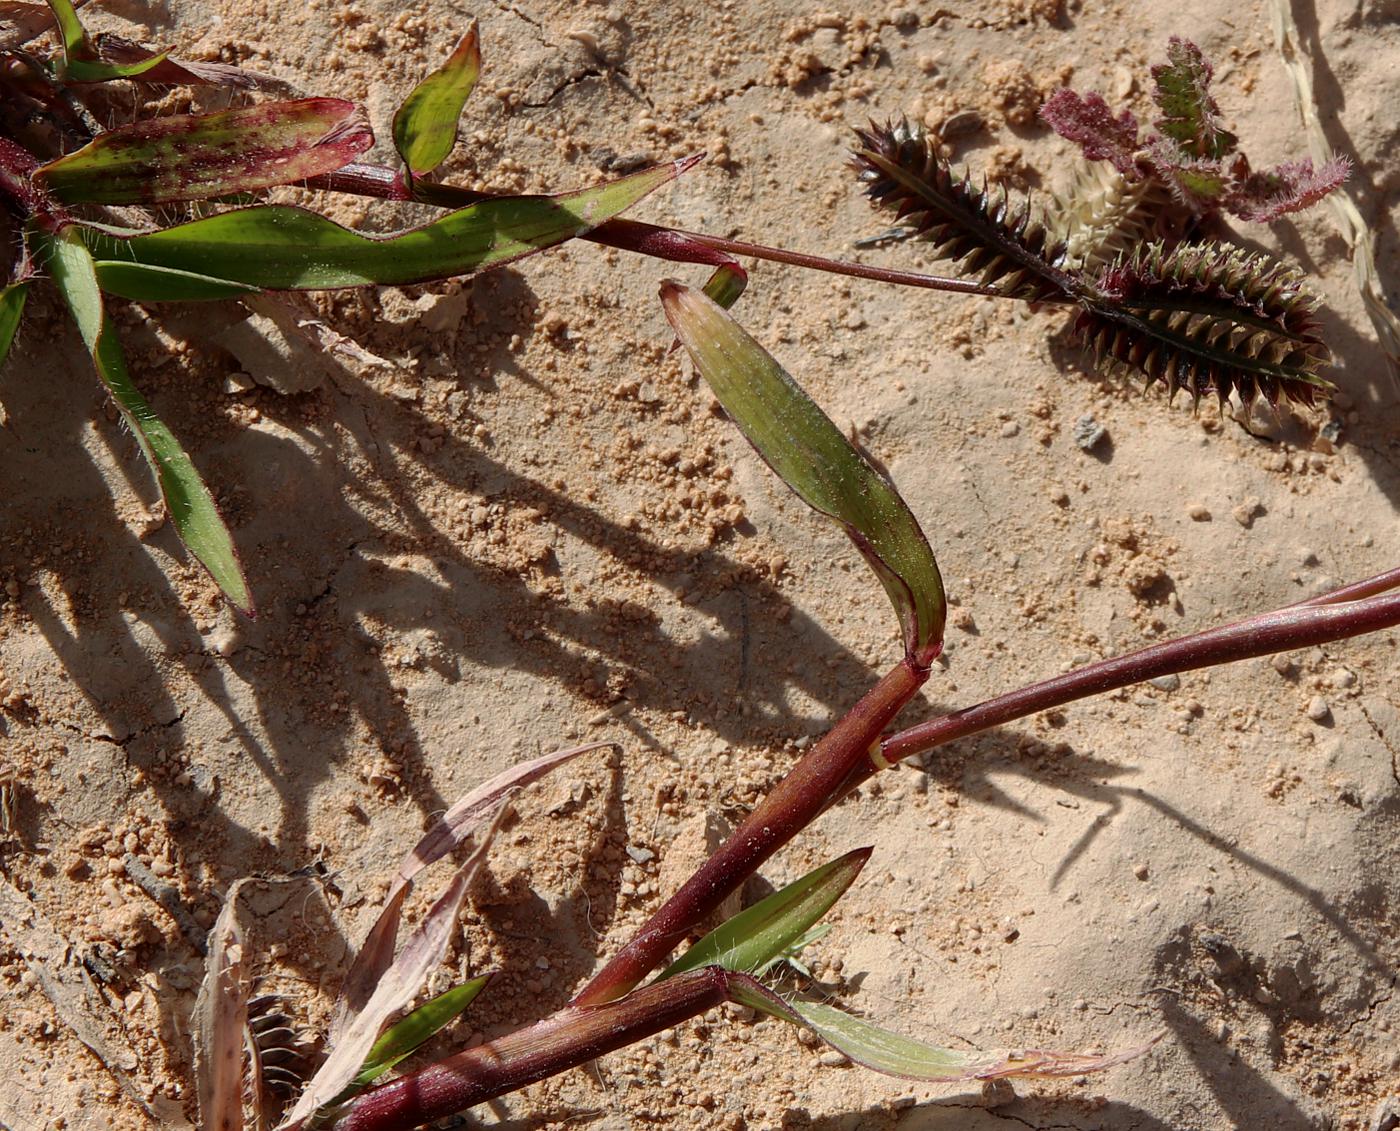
(1090,123)
(367,973)
(1190,116)
(1290,187)
(396,987)
(425,126)
(199,156)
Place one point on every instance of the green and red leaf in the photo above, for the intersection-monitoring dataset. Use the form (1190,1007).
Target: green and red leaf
(200,156)
(1190,116)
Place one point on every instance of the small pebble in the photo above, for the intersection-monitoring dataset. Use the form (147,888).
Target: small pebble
(832,1059)
(1088,432)
(1166,682)
(1319,710)
(238,382)
(1247,511)
(640,855)
(1140,871)
(1009,429)
(1281,663)
(1199,512)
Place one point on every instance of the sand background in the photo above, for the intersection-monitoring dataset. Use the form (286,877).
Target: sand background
(526,528)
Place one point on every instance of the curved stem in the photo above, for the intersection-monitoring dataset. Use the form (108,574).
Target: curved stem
(789,807)
(1299,626)
(568,1038)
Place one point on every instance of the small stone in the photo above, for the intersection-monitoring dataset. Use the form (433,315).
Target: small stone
(1281,663)
(1198,512)
(238,382)
(1166,682)
(640,855)
(1319,710)
(1247,511)
(833,1059)
(1088,433)
(1009,429)
(1140,871)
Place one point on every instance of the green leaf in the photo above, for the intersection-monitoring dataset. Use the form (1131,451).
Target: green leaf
(425,126)
(81,70)
(896,1055)
(727,284)
(810,455)
(11,307)
(141,282)
(187,499)
(404,1036)
(182,157)
(759,935)
(80,60)
(790,953)
(285,248)
(70,29)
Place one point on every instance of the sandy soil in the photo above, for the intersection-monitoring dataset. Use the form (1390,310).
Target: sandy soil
(527,528)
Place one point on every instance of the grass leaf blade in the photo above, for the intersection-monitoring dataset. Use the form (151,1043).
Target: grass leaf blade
(894,1054)
(183,157)
(809,453)
(286,248)
(187,499)
(425,126)
(11,309)
(758,935)
(474,811)
(396,987)
(402,1037)
(141,282)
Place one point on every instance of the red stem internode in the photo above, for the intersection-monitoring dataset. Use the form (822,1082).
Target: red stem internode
(571,1037)
(789,808)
